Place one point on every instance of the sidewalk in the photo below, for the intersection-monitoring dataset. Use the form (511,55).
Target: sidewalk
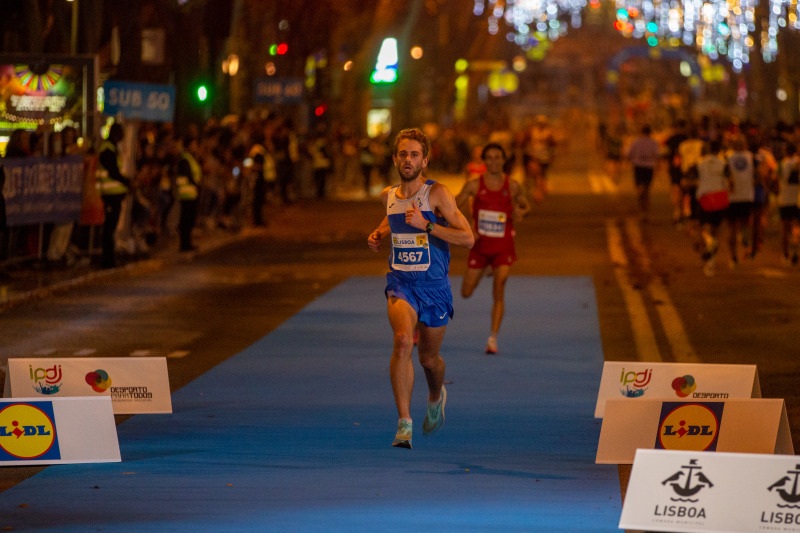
(34,280)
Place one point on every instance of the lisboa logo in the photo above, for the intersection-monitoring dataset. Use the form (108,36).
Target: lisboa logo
(98,380)
(684,385)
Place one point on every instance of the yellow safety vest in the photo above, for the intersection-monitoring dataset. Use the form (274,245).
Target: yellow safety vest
(104,183)
(186,189)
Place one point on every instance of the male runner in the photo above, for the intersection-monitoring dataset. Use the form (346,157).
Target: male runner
(422,218)
(497,201)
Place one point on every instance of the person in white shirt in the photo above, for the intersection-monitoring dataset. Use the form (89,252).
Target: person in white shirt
(788,193)
(712,177)
(742,172)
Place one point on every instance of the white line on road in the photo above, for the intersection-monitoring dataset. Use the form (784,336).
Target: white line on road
(643,336)
(670,320)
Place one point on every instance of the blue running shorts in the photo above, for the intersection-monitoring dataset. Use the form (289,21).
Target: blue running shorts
(432,300)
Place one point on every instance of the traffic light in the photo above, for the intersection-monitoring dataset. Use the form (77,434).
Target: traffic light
(386,66)
(278,49)
(202,93)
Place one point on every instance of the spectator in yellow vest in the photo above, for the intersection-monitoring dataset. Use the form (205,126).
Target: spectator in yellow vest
(113,187)
(188,179)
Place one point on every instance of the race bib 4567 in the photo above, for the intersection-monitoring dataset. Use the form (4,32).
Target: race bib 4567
(410,252)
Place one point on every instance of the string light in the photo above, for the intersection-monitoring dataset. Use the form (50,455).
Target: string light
(716,28)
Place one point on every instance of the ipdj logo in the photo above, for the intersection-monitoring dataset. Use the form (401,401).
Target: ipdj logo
(46,380)
(98,380)
(27,431)
(684,386)
(692,427)
(634,384)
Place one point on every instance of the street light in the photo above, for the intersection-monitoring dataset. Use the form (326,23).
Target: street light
(73,41)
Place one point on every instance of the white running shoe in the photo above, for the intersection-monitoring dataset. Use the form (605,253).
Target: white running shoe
(491,345)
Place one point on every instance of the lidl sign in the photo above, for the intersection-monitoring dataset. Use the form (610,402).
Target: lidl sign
(57,431)
(28,431)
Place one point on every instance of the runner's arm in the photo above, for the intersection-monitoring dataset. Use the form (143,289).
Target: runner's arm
(521,204)
(467,191)
(376,237)
(442,201)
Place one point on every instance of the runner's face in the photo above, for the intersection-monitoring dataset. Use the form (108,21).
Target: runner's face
(494,161)
(409,160)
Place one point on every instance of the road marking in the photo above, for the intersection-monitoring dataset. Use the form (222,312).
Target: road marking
(643,336)
(773,273)
(601,183)
(670,319)
(175,354)
(595,183)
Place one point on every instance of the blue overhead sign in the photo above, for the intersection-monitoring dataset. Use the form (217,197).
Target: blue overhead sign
(143,101)
(279,90)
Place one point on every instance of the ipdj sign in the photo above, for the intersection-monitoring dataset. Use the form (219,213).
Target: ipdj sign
(143,101)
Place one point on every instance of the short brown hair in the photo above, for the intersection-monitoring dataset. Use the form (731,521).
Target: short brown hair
(414,134)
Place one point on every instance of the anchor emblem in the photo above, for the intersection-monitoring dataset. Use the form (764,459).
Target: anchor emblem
(789,496)
(693,482)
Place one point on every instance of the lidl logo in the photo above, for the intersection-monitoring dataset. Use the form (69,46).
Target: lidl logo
(27,431)
(98,380)
(46,380)
(689,426)
(684,386)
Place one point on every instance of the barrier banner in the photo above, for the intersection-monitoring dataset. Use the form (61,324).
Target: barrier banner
(39,190)
(716,492)
(675,381)
(34,431)
(756,425)
(135,385)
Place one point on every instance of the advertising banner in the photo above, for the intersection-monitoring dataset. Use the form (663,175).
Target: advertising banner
(675,381)
(279,90)
(142,101)
(39,190)
(41,93)
(139,385)
(757,425)
(34,431)
(715,492)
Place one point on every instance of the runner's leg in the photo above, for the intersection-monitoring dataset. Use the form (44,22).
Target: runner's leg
(430,340)
(498,294)
(403,319)
(471,279)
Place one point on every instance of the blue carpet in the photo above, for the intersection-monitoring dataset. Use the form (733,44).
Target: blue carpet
(293,433)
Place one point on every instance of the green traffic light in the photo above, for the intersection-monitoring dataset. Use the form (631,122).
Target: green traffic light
(202,93)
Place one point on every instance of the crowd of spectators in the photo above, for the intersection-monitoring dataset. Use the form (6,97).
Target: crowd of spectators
(251,166)
(254,165)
